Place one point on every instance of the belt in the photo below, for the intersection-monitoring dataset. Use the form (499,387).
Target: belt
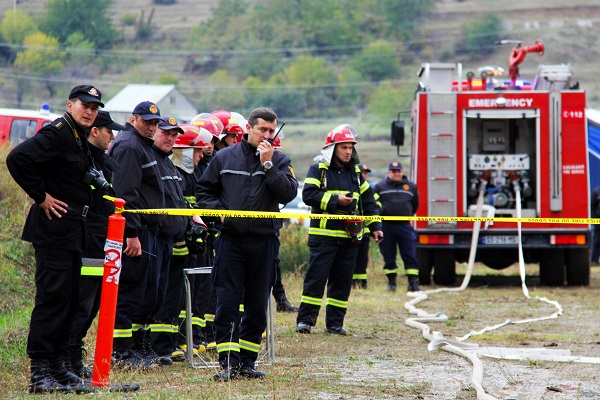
(77,209)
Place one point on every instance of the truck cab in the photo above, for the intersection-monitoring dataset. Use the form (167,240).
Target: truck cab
(18,125)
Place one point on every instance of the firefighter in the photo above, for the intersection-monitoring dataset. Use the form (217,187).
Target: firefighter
(398,196)
(139,182)
(204,297)
(234,127)
(334,186)
(51,168)
(92,270)
(359,279)
(249,176)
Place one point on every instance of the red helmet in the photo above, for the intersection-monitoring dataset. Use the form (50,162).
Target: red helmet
(204,138)
(277,143)
(341,134)
(232,122)
(210,117)
(189,138)
(208,125)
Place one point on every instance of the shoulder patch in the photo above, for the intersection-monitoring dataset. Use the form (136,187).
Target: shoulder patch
(405,187)
(292,171)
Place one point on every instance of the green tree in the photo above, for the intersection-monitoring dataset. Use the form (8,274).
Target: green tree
(14,28)
(81,51)
(378,61)
(481,34)
(64,17)
(42,56)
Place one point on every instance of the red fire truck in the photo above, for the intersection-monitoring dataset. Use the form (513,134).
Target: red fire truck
(486,139)
(17,125)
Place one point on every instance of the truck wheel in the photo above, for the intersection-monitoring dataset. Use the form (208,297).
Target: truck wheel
(578,267)
(444,271)
(552,267)
(425,264)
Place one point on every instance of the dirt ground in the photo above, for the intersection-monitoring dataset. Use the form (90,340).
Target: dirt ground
(488,301)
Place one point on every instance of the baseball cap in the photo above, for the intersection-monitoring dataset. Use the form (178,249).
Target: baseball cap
(147,110)
(168,124)
(364,168)
(87,94)
(395,165)
(103,119)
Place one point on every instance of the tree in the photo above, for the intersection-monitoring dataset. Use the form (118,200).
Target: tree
(42,55)
(481,34)
(65,17)
(378,61)
(15,26)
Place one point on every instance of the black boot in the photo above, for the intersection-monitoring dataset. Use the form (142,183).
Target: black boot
(42,380)
(76,366)
(143,344)
(126,357)
(283,305)
(59,371)
(413,283)
(391,283)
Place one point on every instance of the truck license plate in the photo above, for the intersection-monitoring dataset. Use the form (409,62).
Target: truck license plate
(499,240)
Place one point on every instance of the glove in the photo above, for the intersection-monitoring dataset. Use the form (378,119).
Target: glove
(195,236)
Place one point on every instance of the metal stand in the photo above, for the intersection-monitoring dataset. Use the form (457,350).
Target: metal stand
(269,350)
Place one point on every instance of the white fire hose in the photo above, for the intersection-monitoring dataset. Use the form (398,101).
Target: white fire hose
(472,351)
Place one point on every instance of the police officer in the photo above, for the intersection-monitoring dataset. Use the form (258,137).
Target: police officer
(248,176)
(398,196)
(51,168)
(334,186)
(92,270)
(139,183)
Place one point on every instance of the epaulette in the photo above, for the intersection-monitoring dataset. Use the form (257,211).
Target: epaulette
(58,123)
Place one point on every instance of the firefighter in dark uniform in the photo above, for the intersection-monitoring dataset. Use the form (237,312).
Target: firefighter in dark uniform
(397,196)
(92,269)
(139,183)
(171,231)
(50,167)
(249,176)
(334,186)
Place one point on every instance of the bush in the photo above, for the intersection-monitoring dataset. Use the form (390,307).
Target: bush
(294,252)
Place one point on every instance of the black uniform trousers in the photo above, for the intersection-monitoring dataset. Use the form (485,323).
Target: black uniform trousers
(156,289)
(90,290)
(200,285)
(137,273)
(244,272)
(332,264)
(165,341)
(403,235)
(362,259)
(57,273)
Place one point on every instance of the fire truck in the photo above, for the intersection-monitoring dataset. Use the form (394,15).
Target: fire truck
(500,148)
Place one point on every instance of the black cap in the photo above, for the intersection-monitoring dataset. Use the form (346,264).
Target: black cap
(364,168)
(103,119)
(169,124)
(87,94)
(147,110)
(395,165)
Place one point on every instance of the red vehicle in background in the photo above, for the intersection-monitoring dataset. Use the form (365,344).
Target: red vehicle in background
(502,148)
(18,125)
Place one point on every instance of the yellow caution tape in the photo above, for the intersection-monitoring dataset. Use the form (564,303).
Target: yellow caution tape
(265,214)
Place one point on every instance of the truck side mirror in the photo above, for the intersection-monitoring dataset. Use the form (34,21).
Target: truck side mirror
(397,133)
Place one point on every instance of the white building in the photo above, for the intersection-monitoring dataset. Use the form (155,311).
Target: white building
(170,101)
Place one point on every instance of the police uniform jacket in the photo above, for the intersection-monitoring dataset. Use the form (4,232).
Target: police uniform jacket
(54,161)
(138,180)
(397,198)
(322,187)
(173,226)
(236,180)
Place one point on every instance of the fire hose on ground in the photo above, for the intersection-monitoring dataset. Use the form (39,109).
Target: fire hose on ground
(473,351)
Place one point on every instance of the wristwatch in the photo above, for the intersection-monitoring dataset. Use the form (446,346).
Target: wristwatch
(268,165)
